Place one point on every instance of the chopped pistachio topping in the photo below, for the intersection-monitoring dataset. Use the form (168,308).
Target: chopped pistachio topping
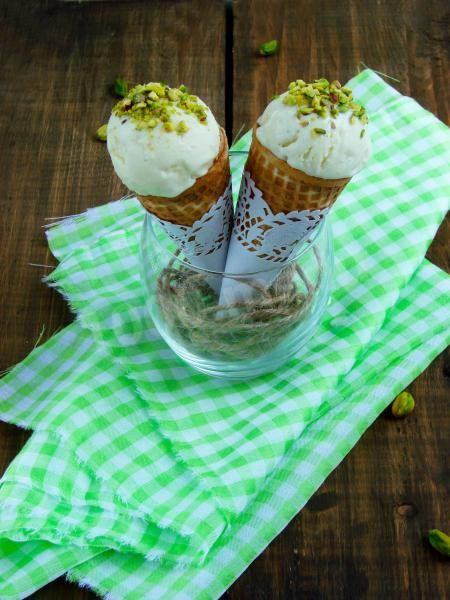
(323,98)
(153,103)
(101,133)
(182,127)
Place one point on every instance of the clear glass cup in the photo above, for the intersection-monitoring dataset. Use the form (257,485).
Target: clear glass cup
(244,339)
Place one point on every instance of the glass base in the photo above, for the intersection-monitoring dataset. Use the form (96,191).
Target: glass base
(251,368)
(237,338)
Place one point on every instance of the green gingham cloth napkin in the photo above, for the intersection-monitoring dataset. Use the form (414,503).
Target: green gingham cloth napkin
(147,480)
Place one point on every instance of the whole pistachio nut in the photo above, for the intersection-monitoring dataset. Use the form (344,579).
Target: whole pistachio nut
(269,48)
(440,541)
(120,87)
(403,405)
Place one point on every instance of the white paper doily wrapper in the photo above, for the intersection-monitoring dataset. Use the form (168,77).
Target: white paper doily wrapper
(205,243)
(261,241)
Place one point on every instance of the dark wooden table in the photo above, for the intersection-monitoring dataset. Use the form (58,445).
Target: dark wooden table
(362,534)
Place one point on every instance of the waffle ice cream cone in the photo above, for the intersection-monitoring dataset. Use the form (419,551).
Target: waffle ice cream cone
(199,219)
(278,207)
(168,149)
(286,189)
(306,146)
(189,206)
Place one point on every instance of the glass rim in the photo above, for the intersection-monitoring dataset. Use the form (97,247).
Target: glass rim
(307,245)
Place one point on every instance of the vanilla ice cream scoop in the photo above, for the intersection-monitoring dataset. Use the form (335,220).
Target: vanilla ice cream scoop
(317,128)
(161,139)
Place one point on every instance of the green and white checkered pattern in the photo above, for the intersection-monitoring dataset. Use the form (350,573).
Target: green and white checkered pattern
(148,480)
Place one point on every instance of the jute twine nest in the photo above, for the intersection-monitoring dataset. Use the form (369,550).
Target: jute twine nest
(190,309)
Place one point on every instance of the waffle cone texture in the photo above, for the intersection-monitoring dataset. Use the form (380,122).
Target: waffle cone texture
(286,189)
(190,205)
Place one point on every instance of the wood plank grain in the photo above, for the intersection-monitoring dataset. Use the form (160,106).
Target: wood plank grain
(58,60)
(362,533)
